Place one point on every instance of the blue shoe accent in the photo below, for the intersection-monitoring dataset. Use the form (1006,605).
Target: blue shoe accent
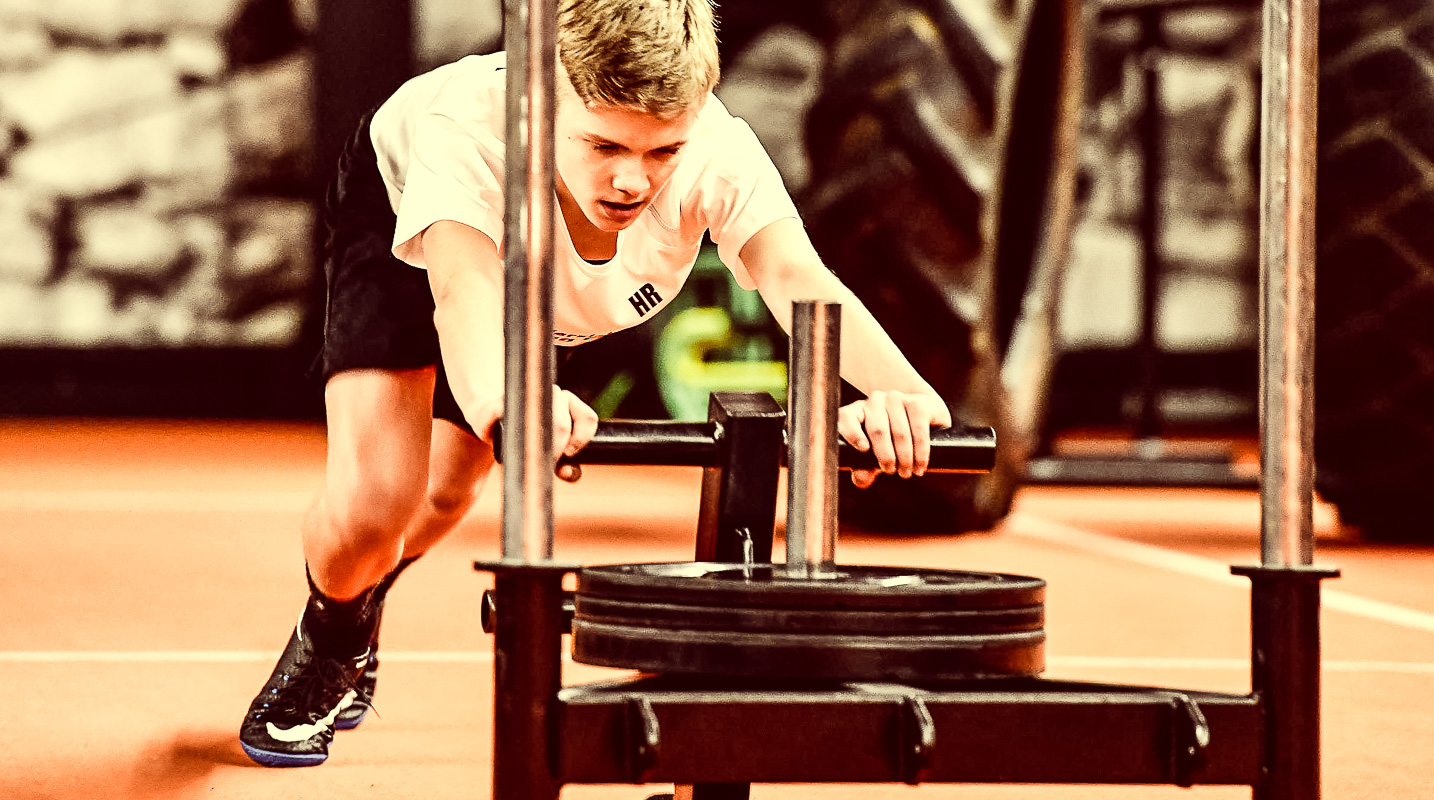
(367,683)
(265,758)
(347,722)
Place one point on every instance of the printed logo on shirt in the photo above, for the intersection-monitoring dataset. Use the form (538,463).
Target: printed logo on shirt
(570,339)
(645,299)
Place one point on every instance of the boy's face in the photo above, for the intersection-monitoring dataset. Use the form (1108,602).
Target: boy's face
(612,160)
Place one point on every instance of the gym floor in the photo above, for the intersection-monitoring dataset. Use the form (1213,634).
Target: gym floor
(152,570)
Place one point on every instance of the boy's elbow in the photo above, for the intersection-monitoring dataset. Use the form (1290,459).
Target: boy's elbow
(459,257)
(795,275)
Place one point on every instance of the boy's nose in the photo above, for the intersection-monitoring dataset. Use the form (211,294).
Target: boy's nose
(629,177)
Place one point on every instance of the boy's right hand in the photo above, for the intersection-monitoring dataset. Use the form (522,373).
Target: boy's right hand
(574,424)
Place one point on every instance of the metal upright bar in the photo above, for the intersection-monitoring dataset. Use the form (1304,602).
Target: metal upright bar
(527,640)
(1285,588)
(531,41)
(815,379)
(1287,260)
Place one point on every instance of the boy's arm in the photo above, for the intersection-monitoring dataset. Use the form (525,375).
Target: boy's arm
(466,275)
(901,407)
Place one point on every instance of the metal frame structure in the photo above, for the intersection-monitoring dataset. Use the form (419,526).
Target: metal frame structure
(718,735)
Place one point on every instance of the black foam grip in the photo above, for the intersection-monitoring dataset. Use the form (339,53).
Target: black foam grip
(698,444)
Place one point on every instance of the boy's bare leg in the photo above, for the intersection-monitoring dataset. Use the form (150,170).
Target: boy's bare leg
(458,467)
(379,436)
(380,429)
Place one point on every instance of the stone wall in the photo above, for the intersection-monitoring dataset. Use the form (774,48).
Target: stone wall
(156,181)
(154,172)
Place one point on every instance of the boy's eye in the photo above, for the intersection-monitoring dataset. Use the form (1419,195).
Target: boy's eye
(605,147)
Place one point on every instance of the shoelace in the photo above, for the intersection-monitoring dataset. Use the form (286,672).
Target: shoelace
(308,691)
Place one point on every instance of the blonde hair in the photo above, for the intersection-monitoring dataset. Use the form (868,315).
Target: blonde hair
(658,55)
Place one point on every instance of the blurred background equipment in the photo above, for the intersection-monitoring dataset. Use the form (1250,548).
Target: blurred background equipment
(1165,247)
(1374,372)
(1157,316)
(938,172)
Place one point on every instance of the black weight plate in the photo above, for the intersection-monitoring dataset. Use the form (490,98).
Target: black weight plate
(704,583)
(808,656)
(871,622)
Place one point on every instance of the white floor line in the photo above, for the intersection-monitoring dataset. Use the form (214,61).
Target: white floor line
(1230,664)
(1030,527)
(145,500)
(486,657)
(219,656)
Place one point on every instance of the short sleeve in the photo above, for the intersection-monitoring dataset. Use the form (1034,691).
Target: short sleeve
(743,193)
(454,173)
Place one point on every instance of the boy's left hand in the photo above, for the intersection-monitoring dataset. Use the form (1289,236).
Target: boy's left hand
(896,427)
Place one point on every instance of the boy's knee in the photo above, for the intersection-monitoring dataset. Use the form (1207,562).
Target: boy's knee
(451,501)
(373,512)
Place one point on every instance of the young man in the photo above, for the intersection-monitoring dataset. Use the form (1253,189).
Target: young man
(648,161)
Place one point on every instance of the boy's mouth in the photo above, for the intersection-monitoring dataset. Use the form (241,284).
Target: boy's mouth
(619,212)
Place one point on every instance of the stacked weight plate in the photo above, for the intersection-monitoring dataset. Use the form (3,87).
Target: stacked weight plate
(858,624)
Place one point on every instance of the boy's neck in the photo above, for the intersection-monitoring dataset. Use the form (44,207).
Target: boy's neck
(591,243)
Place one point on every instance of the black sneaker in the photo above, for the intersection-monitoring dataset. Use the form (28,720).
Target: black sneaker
(367,683)
(292,720)
(350,717)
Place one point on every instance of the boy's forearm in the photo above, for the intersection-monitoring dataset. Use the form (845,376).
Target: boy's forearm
(470,335)
(870,360)
(466,278)
(786,268)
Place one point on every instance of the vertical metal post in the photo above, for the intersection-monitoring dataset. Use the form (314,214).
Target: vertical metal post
(738,507)
(1285,591)
(1287,261)
(531,41)
(527,642)
(815,377)
(1285,674)
(527,674)
(740,492)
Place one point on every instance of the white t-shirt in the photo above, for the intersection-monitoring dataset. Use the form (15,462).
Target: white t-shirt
(439,141)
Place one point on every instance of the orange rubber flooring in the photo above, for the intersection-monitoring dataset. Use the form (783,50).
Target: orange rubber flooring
(151,571)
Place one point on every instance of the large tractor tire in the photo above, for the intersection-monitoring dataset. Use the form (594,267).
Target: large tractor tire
(1374,372)
(942,150)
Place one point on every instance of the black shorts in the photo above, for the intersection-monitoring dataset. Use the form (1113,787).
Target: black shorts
(379,312)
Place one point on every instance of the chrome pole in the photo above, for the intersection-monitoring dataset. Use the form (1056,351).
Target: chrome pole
(1287,274)
(531,41)
(815,383)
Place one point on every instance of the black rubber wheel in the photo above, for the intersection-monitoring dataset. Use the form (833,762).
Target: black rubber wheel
(942,169)
(1374,429)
